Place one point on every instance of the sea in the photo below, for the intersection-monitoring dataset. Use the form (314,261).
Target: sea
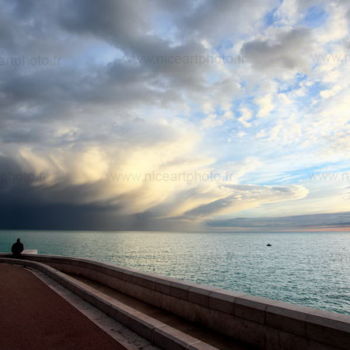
(310,269)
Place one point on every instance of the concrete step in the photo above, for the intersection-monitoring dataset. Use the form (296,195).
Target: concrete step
(201,333)
(155,331)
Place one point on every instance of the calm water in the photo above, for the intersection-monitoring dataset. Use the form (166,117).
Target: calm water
(311,269)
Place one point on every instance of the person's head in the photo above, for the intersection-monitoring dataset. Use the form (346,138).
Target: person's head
(18,240)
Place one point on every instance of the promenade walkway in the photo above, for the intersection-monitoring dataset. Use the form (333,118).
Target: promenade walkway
(34,317)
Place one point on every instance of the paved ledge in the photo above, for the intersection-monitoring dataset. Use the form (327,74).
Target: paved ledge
(157,332)
(260,322)
(114,329)
(33,317)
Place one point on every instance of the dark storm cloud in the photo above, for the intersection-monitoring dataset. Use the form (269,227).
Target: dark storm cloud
(25,204)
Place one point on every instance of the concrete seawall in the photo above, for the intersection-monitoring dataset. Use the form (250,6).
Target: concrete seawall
(260,322)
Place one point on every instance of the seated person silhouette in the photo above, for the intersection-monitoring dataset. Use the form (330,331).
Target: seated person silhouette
(17,248)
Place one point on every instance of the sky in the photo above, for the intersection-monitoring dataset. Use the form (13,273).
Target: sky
(174,115)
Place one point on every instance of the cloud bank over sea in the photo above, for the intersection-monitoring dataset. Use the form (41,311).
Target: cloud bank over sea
(152,114)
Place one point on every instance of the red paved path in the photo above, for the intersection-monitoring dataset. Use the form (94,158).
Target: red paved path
(34,317)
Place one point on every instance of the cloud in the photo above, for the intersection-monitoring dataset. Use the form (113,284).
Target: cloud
(287,51)
(235,198)
(265,105)
(220,17)
(245,117)
(286,223)
(140,109)
(163,179)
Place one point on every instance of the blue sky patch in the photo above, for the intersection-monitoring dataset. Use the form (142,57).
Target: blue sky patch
(315,16)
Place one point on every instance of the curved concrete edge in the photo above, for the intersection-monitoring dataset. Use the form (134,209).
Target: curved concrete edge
(258,321)
(199,294)
(155,331)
